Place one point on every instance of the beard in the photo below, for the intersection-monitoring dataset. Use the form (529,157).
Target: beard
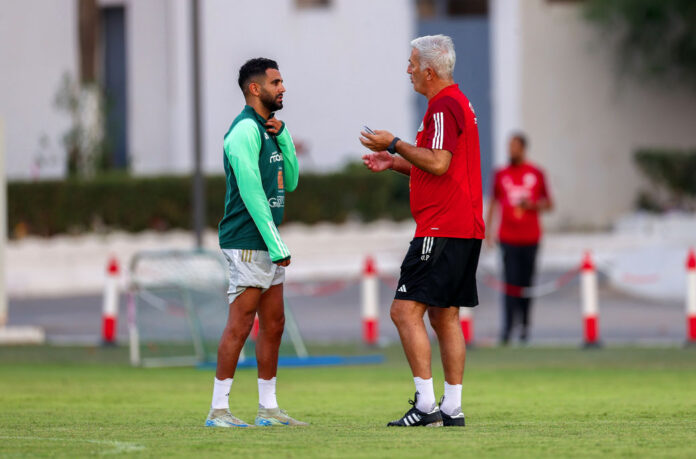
(270,102)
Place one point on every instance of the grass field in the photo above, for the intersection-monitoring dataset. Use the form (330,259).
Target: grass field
(533,402)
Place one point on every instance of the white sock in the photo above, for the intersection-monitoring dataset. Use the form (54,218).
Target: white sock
(267,393)
(453,399)
(221,394)
(426,394)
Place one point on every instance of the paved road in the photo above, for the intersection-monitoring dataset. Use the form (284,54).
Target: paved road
(336,317)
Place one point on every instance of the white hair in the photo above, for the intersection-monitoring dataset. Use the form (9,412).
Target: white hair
(436,52)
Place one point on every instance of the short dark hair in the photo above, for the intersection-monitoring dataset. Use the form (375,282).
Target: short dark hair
(521,137)
(253,68)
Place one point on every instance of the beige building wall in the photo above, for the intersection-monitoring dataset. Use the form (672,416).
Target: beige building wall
(38,48)
(585,121)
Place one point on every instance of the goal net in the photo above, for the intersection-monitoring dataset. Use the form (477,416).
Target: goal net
(177,310)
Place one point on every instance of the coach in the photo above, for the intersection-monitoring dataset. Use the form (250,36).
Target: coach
(438,274)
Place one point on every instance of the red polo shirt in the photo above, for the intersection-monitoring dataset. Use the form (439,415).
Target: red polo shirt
(449,205)
(512,185)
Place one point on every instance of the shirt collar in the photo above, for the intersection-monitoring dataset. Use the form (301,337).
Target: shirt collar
(443,92)
(249,109)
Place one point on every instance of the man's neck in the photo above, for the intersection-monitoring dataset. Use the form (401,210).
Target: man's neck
(259,108)
(436,87)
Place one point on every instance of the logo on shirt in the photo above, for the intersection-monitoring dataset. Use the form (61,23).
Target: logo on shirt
(275,157)
(276,202)
(529,180)
(280,179)
(265,136)
(471,107)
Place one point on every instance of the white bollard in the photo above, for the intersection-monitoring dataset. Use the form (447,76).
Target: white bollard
(691,298)
(590,302)
(370,302)
(110,303)
(467,323)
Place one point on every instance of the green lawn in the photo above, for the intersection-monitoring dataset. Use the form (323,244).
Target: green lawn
(532,402)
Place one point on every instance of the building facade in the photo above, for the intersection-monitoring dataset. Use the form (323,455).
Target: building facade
(531,65)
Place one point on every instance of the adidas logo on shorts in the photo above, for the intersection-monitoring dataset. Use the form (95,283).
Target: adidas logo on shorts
(402,288)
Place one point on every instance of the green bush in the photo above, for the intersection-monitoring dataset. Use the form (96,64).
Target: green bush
(138,203)
(672,174)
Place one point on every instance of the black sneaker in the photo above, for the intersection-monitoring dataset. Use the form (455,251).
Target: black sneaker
(456,420)
(415,418)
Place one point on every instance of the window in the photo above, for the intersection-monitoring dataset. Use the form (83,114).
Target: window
(428,9)
(467,7)
(307,4)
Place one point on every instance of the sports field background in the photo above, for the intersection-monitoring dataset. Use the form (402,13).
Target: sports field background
(520,402)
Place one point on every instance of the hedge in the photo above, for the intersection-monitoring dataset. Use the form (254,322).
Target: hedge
(134,204)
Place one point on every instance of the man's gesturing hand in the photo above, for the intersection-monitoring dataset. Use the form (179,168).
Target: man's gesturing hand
(273,126)
(379,161)
(379,141)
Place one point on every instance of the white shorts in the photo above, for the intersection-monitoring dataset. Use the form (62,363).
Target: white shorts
(251,268)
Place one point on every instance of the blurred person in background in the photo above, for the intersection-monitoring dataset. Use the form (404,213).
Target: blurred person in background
(521,194)
(438,274)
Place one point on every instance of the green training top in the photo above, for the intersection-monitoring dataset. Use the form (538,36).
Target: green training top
(257,178)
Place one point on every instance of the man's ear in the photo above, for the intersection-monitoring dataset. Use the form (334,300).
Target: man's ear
(429,73)
(254,89)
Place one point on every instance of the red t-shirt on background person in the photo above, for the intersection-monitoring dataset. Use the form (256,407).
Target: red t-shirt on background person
(450,205)
(511,186)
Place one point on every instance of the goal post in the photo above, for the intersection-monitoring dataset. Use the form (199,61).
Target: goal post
(177,309)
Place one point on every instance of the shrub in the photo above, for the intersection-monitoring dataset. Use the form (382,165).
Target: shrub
(138,203)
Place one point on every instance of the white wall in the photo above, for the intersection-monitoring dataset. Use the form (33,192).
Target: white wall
(158,53)
(584,122)
(343,67)
(38,46)
(506,36)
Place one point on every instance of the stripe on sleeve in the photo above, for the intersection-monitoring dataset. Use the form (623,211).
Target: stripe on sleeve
(441,117)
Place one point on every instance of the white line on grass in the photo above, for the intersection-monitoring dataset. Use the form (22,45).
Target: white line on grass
(118,447)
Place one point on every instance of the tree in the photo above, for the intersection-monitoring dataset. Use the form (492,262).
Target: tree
(657,38)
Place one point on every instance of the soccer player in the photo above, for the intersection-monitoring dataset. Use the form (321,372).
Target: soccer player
(260,166)
(521,193)
(438,274)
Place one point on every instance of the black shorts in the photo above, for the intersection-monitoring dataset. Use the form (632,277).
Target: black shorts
(440,271)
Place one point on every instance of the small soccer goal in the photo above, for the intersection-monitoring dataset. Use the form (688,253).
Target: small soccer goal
(177,310)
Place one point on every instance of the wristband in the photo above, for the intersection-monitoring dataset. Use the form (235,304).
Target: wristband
(392,146)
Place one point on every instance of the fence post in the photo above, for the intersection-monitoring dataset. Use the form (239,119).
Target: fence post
(590,303)
(467,323)
(370,300)
(691,298)
(110,303)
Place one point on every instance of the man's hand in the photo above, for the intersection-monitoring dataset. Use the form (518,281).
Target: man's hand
(284,262)
(526,204)
(379,161)
(379,141)
(273,126)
